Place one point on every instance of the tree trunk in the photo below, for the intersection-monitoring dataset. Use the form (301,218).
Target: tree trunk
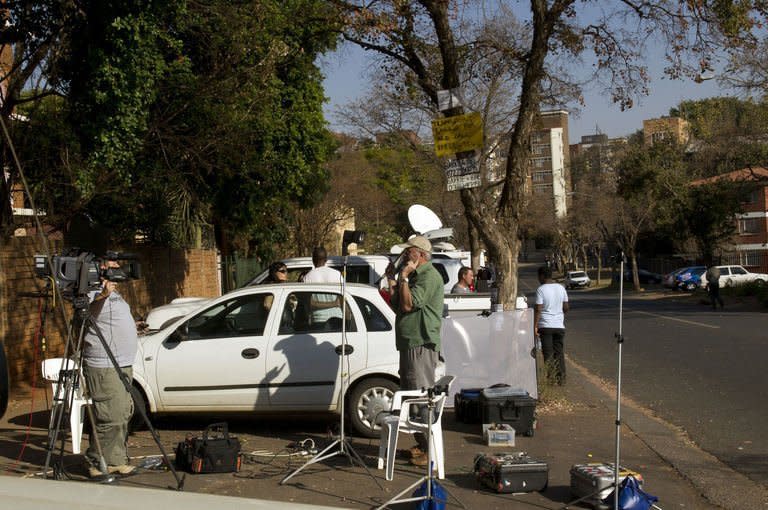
(599,265)
(635,277)
(474,245)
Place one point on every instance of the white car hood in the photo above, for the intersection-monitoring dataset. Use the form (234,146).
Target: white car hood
(177,308)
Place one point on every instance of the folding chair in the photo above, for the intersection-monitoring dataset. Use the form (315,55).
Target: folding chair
(52,369)
(392,424)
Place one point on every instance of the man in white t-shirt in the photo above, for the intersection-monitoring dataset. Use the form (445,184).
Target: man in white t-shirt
(324,306)
(549,322)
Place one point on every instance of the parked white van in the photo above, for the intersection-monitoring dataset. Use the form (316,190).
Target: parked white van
(366,269)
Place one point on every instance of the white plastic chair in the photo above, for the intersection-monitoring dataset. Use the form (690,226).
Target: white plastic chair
(393,424)
(51,372)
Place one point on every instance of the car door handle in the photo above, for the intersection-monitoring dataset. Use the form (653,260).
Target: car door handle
(250,353)
(349,349)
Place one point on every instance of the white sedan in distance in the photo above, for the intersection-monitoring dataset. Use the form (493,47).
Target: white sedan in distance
(275,348)
(732,276)
(577,279)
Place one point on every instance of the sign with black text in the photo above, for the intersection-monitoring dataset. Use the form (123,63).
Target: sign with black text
(462,173)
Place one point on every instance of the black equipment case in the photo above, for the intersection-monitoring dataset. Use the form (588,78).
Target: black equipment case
(516,472)
(466,405)
(215,452)
(506,405)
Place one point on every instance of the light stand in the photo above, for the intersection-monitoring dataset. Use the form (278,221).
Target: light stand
(619,340)
(429,477)
(344,447)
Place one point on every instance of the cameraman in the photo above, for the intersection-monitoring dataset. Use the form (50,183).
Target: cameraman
(112,404)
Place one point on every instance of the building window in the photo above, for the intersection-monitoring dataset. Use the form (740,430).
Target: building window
(540,149)
(541,176)
(542,188)
(753,258)
(541,162)
(753,196)
(748,226)
(658,136)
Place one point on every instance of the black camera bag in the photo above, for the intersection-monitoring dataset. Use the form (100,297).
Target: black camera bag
(215,452)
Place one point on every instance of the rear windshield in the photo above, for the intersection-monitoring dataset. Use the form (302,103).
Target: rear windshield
(578,274)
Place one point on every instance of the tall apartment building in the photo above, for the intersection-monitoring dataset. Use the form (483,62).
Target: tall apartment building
(663,128)
(550,159)
(594,152)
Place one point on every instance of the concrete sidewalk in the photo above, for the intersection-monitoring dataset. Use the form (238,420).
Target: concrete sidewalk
(580,430)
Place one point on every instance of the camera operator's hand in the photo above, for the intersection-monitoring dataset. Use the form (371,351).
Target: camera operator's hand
(107,289)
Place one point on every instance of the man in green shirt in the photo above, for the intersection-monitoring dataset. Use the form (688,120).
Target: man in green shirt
(418,303)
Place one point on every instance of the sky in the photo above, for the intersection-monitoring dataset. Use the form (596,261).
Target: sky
(345,80)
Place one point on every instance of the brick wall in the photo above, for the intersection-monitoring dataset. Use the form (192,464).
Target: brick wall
(166,274)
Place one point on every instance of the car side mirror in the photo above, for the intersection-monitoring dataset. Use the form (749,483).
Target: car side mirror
(181,334)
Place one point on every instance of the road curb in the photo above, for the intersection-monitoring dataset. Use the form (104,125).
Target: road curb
(718,483)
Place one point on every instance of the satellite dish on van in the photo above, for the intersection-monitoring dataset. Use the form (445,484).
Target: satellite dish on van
(422,219)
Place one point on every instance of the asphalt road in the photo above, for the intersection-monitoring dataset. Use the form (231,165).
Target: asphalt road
(701,370)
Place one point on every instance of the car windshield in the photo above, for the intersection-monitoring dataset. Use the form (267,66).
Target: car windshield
(578,274)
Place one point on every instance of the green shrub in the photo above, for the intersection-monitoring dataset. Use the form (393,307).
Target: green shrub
(756,288)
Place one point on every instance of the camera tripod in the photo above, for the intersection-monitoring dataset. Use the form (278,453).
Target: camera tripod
(70,376)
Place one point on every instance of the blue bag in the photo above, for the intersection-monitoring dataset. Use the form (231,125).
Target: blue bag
(631,496)
(439,497)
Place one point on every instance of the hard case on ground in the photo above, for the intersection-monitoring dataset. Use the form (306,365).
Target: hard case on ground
(510,407)
(596,481)
(511,472)
(466,405)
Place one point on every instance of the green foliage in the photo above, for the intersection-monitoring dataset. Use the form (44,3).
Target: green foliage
(119,51)
(380,237)
(718,117)
(708,217)
(655,175)
(757,289)
(178,116)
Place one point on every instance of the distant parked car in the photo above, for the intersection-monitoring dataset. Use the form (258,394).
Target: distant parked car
(669,280)
(732,276)
(577,279)
(643,275)
(690,278)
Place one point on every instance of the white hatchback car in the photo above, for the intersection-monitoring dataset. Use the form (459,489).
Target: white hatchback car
(732,276)
(274,348)
(577,279)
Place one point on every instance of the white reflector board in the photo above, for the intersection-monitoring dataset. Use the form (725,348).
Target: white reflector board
(483,351)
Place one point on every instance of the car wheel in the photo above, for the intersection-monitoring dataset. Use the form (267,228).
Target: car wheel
(367,400)
(139,403)
(690,286)
(760,282)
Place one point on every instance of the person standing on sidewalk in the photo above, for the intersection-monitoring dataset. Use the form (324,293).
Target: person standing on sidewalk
(549,322)
(713,286)
(418,305)
(112,404)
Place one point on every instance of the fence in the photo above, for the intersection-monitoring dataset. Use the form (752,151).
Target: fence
(236,271)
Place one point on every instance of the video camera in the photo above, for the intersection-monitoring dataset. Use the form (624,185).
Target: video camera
(75,272)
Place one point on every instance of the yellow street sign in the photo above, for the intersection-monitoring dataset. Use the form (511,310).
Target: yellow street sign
(460,133)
